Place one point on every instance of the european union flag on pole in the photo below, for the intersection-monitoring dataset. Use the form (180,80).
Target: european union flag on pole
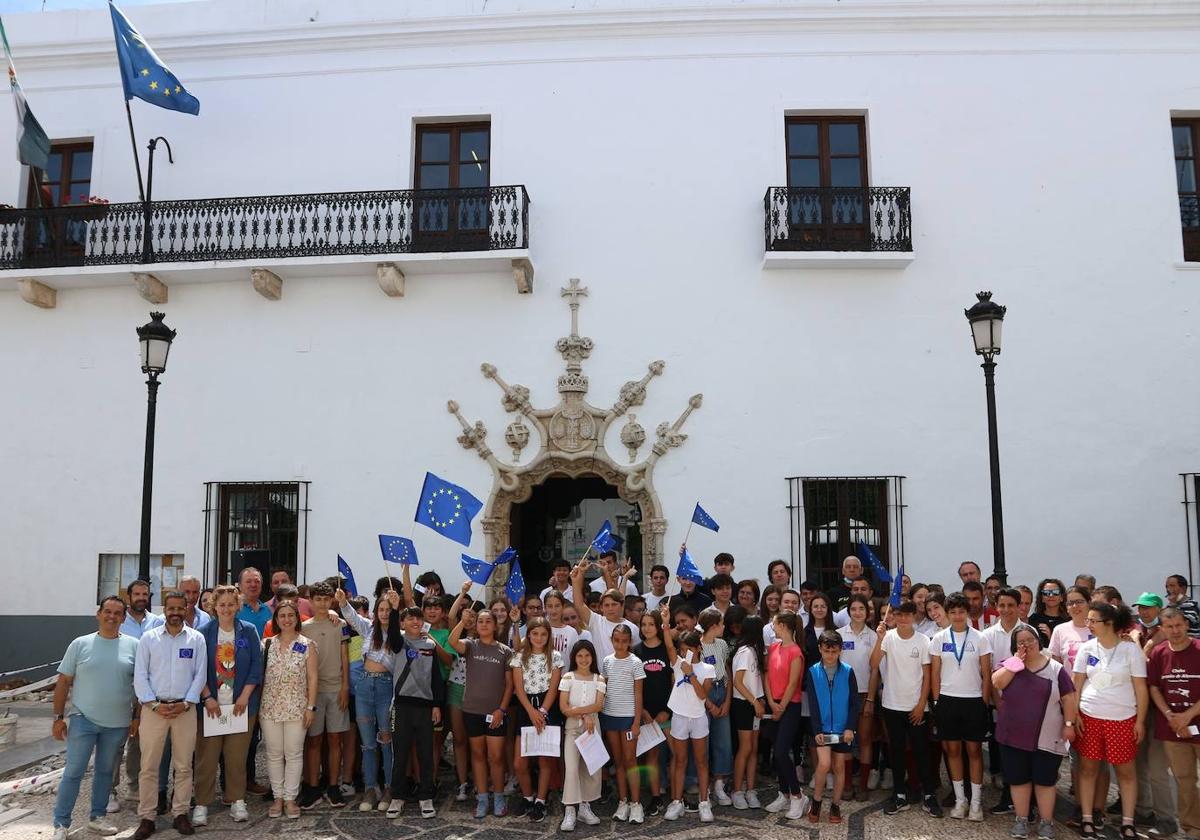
(507,556)
(398,550)
(688,570)
(515,588)
(868,557)
(479,571)
(701,518)
(344,571)
(605,541)
(447,509)
(895,599)
(143,73)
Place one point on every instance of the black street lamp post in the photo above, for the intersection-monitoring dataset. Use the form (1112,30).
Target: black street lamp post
(155,339)
(987,318)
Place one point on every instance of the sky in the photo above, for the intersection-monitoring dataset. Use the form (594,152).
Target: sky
(7,6)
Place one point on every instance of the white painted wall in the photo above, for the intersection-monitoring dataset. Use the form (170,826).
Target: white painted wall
(1035,139)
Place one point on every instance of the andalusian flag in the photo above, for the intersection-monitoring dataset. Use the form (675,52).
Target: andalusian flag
(33,146)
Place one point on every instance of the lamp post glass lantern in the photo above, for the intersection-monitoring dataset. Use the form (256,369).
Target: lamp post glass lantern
(154,340)
(987,318)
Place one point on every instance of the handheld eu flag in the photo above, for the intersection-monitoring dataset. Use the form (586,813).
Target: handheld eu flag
(604,541)
(688,570)
(507,556)
(868,557)
(143,73)
(344,571)
(515,588)
(447,509)
(398,550)
(899,583)
(701,518)
(479,571)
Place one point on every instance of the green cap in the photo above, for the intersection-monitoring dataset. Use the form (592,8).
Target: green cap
(1149,599)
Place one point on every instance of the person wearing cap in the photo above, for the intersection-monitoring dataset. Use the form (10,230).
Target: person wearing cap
(1156,791)
(1149,631)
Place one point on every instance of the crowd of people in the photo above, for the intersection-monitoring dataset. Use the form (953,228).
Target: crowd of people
(694,697)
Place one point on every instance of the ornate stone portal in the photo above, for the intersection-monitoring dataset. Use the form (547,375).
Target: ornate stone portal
(571,436)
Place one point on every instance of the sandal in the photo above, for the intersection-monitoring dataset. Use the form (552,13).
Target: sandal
(1128,832)
(1087,829)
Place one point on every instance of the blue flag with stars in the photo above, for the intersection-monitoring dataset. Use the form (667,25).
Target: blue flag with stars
(515,588)
(701,518)
(605,541)
(868,557)
(507,556)
(398,550)
(895,599)
(688,570)
(344,571)
(143,73)
(447,509)
(479,571)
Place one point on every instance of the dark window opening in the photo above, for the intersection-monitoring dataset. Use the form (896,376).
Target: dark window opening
(256,524)
(1185,136)
(67,180)
(452,173)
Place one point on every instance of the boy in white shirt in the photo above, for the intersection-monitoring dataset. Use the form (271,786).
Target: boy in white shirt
(612,605)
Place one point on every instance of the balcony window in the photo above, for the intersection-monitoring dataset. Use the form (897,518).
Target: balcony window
(452,176)
(66,181)
(1185,135)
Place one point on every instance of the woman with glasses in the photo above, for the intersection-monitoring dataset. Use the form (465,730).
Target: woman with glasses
(1048,608)
(1110,677)
(1034,726)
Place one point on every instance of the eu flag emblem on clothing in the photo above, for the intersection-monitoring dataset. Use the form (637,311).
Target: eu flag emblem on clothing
(479,571)
(688,570)
(399,550)
(605,541)
(700,517)
(447,509)
(344,571)
(143,73)
(515,588)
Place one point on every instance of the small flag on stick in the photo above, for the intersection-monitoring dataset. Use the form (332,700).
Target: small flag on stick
(479,571)
(344,571)
(688,570)
(515,588)
(701,518)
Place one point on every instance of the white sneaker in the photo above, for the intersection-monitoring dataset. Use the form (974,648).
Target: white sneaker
(739,801)
(385,802)
(238,811)
(200,815)
(873,779)
(674,810)
(568,820)
(60,833)
(706,814)
(114,804)
(428,812)
(798,808)
(976,813)
(781,802)
(959,811)
(637,814)
(586,815)
(752,799)
(622,813)
(461,794)
(720,795)
(100,826)
(885,780)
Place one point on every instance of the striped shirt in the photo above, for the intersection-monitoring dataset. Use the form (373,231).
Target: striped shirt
(620,675)
(716,654)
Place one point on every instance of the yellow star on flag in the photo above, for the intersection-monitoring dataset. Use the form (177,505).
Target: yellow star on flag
(154,86)
(145,72)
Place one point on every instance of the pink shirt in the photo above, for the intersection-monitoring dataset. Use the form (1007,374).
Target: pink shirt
(779,665)
(1066,640)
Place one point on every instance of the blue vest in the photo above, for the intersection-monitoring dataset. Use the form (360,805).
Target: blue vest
(832,701)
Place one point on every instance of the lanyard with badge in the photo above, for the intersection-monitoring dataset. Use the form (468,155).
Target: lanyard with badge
(959,653)
(1102,679)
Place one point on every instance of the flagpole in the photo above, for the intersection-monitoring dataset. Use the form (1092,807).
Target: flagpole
(137,164)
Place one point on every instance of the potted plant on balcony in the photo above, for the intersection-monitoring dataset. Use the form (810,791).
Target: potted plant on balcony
(91,207)
(9,215)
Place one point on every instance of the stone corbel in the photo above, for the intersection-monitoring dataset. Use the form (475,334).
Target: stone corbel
(38,294)
(266,283)
(150,287)
(391,279)
(522,270)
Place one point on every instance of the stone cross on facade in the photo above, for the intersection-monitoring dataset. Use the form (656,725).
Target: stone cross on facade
(573,292)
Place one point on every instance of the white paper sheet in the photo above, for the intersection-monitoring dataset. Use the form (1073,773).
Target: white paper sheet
(548,742)
(592,751)
(226,724)
(649,736)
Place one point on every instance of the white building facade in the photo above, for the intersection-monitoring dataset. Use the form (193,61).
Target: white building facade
(782,207)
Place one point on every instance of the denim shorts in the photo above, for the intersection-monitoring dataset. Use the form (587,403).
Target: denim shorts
(608,723)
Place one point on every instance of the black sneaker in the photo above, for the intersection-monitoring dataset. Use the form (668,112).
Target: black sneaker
(655,807)
(1115,808)
(334,794)
(690,807)
(1002,807)
(308,798)
(896,804)
(520,807)
(536,812)
(163,807)
(931,807)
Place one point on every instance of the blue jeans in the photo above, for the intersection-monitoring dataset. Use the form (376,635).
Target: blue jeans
(720,737)
(83,737)
(373,704)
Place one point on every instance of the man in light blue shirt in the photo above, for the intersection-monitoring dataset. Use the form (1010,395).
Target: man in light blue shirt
(169,673)
(138,618)
(97,673)
(253,610)
(194,617)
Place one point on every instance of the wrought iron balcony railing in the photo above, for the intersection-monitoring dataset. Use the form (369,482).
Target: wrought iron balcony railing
(1189,214)
(262,227)
(838,219)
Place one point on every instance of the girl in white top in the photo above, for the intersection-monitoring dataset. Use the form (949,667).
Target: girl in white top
(747,711)
(1110,677)
(580,698)
(563,635)
(689,721)
(935,616)
(858,640)
(1067,638)
(621,720)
